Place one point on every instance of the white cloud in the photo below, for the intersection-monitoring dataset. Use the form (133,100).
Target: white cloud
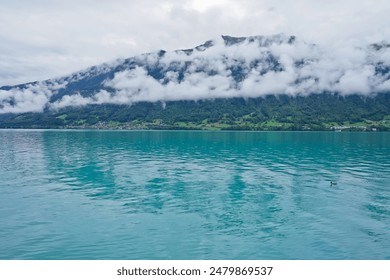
(33,98)
(356,81)
(282,68)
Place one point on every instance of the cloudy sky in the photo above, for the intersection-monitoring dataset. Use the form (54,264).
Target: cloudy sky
(43,39)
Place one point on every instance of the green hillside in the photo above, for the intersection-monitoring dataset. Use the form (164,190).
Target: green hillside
(314,112)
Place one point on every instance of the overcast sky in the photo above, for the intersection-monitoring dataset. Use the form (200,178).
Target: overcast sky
(43,39)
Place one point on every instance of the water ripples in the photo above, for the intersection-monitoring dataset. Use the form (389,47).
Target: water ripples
(194,195)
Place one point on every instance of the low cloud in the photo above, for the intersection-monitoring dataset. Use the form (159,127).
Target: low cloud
(33,98)
(225,68)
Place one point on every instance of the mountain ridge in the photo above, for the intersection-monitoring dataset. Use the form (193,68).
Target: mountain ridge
(264,59)
(249,68)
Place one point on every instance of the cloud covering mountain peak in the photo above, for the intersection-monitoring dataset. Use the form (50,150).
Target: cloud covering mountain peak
(224,67)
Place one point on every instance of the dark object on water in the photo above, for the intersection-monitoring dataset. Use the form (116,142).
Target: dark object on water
(333,183)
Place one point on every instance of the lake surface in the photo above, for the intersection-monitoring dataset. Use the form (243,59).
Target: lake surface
(194,195)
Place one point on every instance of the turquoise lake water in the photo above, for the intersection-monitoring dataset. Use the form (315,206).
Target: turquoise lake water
(194,195)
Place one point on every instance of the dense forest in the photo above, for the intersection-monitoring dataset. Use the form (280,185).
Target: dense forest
(282,112)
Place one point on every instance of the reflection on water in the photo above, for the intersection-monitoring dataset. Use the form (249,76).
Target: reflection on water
(194,195)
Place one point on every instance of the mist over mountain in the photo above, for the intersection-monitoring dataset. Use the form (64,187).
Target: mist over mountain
(226,67)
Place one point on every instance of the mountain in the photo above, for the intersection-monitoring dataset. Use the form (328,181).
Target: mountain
(257,82)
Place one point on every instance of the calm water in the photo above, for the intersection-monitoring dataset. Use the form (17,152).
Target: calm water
(194,195)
